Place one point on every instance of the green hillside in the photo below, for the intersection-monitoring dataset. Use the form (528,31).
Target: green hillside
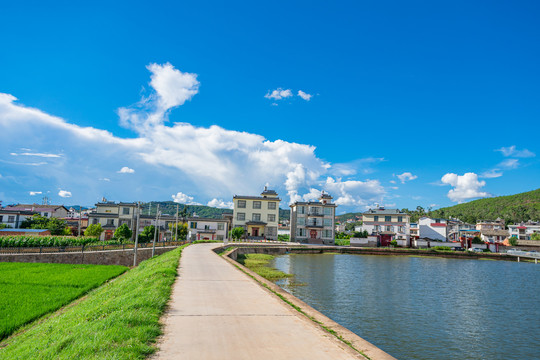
(169,207)
(513,208)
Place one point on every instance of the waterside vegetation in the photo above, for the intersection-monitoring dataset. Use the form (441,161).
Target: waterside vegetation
(258,263)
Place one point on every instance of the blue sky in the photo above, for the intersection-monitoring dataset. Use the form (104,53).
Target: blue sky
(412,103)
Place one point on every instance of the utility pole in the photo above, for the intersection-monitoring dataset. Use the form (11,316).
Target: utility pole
(176,227)
(156,231)
(79,220)
(136,234)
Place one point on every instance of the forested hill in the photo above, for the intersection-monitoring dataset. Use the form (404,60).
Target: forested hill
(169,207)
(513,208)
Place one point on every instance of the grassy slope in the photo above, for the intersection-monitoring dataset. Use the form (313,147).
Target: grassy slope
(258,263)
(29,291)
(119,320)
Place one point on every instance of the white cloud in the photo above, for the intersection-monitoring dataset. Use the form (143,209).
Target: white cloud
(45,155)
(104,179)
(33,193)
(509,164)
(304,95)
(182,198)
(279,94)
(392,181)
(406,176)
(494,173)
(219,203)
(466,186)
(64,194)
(513,152)
(354,192)
(125,170)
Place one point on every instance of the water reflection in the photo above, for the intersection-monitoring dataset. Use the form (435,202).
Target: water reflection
(426,308)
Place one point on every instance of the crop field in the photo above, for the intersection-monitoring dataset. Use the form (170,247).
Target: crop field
(30,290)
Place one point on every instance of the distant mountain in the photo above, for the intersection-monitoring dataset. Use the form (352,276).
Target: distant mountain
(512,208)
(347,216)
(169,207)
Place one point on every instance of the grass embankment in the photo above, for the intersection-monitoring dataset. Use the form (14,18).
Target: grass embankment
(28,291)
(258,263)
(119,320)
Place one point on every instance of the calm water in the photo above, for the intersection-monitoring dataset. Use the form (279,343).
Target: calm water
(426,308)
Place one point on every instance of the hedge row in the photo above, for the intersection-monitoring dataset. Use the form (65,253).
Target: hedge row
(49,241)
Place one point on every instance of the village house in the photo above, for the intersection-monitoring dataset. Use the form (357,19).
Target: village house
(56,211)
(111,216)
(14,218)
(257,215)
(312,222)
(432,229)
(387,225)
(524,230)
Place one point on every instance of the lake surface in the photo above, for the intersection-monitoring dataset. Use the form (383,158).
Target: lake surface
(425,308)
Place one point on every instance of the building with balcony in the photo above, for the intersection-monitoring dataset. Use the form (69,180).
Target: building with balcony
(112,215)
(313,222)
(387,225)
(524,230)
(207,229)
(457,229)
(258,215)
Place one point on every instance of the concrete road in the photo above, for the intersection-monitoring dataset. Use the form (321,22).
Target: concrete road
(218,312)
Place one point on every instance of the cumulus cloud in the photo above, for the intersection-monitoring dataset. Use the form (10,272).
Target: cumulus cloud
(354,192)
(33,193)
(219,203)
(466,186)
(279,94)
(304,95)
(512,151)
(64,193)
(182,198)
(126,170)
(406,176)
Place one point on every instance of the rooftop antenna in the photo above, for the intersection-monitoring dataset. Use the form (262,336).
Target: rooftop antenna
(45,200)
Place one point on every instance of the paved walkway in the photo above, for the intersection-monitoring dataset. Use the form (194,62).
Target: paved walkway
(218,312)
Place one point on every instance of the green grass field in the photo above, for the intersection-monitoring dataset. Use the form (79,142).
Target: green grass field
(28,290)
(258,263)
(119,320)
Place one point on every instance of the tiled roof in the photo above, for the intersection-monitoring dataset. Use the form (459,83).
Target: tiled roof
(384,212)
(242,197)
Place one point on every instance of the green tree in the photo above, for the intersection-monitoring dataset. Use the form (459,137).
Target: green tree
(147,234)
(54,225)
(535,236)
(93,230)
(182,231)
(237,233)
(123,232)
(477,240)
(513,241)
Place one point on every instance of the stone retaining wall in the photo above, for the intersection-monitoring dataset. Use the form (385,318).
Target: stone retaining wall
(109,257)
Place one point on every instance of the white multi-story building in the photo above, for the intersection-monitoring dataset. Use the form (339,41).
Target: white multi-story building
(111,216)
(313,222)
(524,231)
(457,229)
(434,229)
(387,225)
(257,215)
(207,229)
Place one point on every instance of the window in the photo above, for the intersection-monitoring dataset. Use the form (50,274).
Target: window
(220,237)
(125,211)
(301,232)
(107,211)
(46,214)
(389,228)
(376,218)
(400,218)
(301,221)
(301,210)
(193,225)
(271,205)
(256,204)
(95,221)
(328,211)
(327,222)
(11,218)
(401,229)
(241,216)
(1,218)
(206,227)
(242,204)
(327,233)
(256,217)
(314,211)
(387,219)
(110,222)
(271,217)
(377,228)
(220,226)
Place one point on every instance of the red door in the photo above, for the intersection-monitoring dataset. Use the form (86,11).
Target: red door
(255,231)
(385,240)
(313,234)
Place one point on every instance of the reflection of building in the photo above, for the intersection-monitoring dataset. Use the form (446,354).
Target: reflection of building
(258,215)
(313,222)
(111,216)
(524,231)
(387,225)
(433,229)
